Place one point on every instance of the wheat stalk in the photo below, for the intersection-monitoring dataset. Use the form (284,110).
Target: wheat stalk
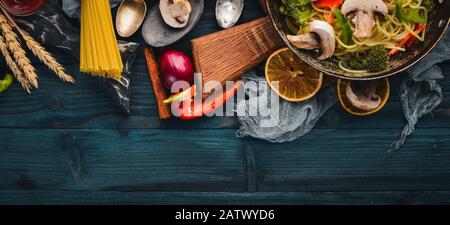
(40,52)
(17,51)
(46,58)
(14,67)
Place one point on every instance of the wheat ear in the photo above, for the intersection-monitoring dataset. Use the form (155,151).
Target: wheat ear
(40,52)
(46,58)
(14,67)
(17,51)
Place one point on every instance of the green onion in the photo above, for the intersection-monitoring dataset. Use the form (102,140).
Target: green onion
(346,30)
(411,15)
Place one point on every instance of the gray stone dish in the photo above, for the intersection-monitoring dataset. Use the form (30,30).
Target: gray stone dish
(158,34)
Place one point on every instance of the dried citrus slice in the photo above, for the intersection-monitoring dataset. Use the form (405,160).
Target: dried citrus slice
(363,98)
(290,77)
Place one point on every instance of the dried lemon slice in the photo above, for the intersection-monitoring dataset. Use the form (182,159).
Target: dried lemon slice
(297,81)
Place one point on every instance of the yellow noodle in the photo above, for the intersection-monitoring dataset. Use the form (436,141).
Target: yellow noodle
(99,50)
(320,10)
(350,70)
(417,5)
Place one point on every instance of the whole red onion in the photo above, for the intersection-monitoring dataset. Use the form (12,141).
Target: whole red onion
(175,66)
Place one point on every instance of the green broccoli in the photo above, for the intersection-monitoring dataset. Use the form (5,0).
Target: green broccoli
(299,11)
(375,60)
(428,4)
(295,3)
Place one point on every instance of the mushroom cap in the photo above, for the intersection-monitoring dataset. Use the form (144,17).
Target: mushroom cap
(362,94)
(364,18)
(327,37)
(175,12)
(364,5)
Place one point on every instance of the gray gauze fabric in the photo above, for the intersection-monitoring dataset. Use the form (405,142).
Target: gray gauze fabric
(294,120)
(420,93)
(72,7)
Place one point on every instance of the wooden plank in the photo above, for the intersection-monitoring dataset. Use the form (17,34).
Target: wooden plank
(247,46)
(219,198)
(125,160)
(88,105)
(353,160)
(214,160)
(50,107)
(106,157)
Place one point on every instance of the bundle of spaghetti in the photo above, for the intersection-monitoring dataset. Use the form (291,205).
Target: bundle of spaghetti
(99,51)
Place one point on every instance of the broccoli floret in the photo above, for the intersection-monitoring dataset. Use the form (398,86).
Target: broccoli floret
(428,4)
(375,60)
(295,3)
(299,11)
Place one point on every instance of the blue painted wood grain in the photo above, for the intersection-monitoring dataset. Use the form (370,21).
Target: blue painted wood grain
(70,144)
(220,198)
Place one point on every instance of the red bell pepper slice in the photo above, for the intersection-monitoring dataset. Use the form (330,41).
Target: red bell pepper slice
(409,38)
(209,106)
(331,4)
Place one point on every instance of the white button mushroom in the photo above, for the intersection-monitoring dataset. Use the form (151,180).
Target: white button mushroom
(365,11)
(175,12)
(362,94)
(321,35)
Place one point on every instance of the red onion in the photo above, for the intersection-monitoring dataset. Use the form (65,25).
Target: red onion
(175,66)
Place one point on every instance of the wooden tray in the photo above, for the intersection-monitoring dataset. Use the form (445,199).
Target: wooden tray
(227,54)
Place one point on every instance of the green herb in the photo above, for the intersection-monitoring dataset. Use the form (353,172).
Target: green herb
(6,82)
(182,96)
(299,11)
(346,30)
(375,60)
(410,15)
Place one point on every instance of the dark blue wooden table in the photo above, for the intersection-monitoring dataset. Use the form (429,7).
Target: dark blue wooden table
(71,144)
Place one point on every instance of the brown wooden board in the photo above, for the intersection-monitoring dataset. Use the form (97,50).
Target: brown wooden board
(227,54)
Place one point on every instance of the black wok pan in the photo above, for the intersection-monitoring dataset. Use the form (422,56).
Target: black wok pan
(438,22)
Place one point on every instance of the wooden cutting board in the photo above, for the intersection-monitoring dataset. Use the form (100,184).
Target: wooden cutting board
(227,54)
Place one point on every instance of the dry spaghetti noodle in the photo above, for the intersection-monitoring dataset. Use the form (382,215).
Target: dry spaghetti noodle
(99,51)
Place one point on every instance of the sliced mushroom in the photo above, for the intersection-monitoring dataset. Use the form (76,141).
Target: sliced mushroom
(306,41)
(365,11)
(321,36)
(362,94)
(175,12)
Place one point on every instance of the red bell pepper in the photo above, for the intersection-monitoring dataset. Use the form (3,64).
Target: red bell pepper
(331,4)
(409,38)
(194,111)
